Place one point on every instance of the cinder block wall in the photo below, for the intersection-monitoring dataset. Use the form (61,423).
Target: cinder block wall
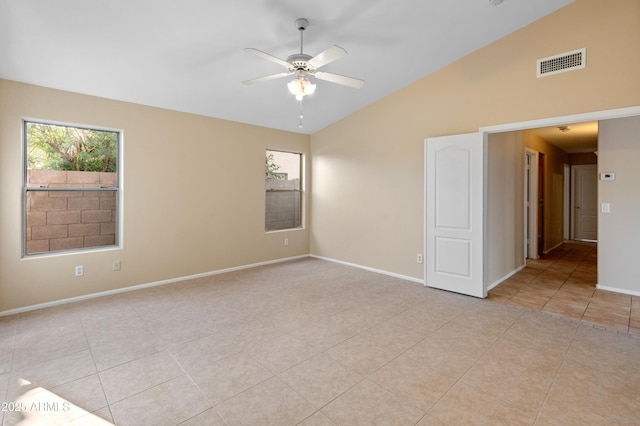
(67,220)
(282,204)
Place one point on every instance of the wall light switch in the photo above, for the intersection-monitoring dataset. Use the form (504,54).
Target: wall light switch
(605,208)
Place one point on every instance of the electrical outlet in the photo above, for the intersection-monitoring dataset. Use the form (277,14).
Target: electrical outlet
(419,258)
(79,271)
(286,241)
(117,265)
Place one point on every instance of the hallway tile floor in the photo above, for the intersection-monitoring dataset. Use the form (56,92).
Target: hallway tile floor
(563,282)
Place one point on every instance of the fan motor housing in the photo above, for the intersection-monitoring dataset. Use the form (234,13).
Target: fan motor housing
(300,62)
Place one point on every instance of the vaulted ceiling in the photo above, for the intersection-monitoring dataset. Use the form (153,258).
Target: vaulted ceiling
(188,55)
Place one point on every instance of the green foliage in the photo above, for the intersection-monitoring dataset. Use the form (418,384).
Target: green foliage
(51,147)
(270,168)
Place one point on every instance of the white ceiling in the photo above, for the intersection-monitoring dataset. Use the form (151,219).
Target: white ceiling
(188,55)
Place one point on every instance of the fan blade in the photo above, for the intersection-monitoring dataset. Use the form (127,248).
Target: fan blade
(267,78)
(327,56)
(340,79)
(267,56)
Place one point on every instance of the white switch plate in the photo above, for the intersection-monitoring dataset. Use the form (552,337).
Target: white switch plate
(607,176)
(605,208)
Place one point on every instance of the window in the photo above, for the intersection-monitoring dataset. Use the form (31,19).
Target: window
(71,188)
(283,190)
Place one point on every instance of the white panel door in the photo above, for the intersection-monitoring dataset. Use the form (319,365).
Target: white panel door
(585,202)
(454,173)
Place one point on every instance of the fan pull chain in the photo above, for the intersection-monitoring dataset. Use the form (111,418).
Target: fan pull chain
(301,116)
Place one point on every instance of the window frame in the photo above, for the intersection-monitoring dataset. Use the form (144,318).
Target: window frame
(300,190)
(117,189)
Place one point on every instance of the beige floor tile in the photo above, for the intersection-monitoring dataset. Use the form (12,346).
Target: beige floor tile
(34,345)
(127,379)
(270,403)
(369,404)
(120,342)
(453,349)
(283,353)
(324,333)
(413,382)
(448,305)
(180,327)
(198,353)
(104,309)
(390,336)
(465,405)
(573,403)
(428,420)
(209,417)
(317,419)
(447,360)
(229,376)
(86,393)
(605,390)
(320,379)
(169,403)
(419,319)
(66,404)
(100,417)
(360,355)
(490,316)
(51,373)
(523,384)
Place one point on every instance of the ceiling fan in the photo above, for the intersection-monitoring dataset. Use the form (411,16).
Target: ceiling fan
(302,66)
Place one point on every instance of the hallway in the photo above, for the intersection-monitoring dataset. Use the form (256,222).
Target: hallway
(563,282)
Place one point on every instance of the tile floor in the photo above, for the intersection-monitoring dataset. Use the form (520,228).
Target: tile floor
(563,282)
(311,342)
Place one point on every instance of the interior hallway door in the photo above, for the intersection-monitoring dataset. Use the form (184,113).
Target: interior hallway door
(454,173)
(585,202)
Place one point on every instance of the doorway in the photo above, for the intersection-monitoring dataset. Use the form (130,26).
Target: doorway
(502,229)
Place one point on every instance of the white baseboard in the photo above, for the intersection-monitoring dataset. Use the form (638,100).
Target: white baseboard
(506,277)
(142,286)
(618,290)
(553,248)
(367,268)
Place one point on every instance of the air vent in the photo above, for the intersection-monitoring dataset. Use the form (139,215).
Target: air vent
(569,61)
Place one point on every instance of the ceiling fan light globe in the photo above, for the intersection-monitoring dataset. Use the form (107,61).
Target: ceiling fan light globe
(301,87)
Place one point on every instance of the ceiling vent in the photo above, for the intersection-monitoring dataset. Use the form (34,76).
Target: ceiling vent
(568,61)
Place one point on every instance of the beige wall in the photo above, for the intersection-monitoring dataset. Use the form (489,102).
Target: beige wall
(505,204)
(172,162)
(368,169)
(619,231)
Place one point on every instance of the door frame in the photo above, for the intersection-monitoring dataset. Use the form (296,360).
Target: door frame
(531,160)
